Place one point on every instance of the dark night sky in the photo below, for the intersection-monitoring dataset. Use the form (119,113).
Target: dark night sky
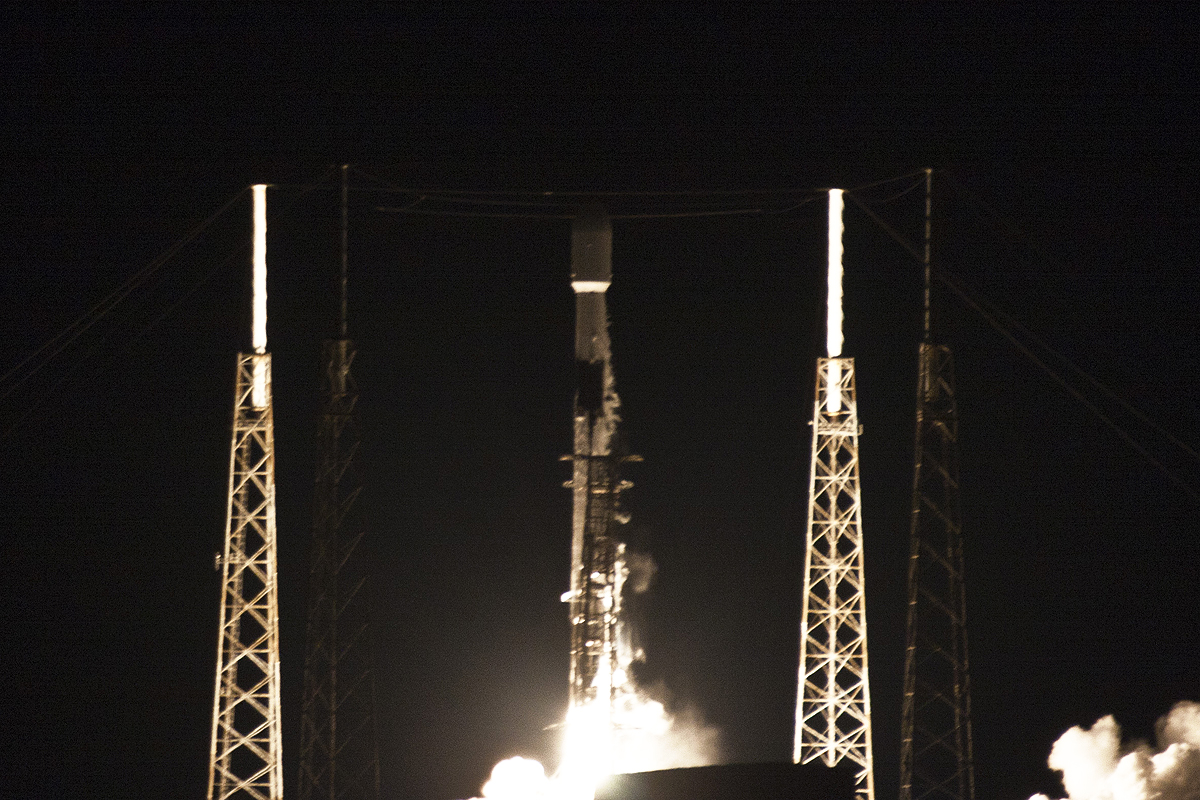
(1067,198)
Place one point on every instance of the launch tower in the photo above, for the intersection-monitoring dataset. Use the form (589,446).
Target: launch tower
(339,757)
(833,704)
(936,759)
(245,758)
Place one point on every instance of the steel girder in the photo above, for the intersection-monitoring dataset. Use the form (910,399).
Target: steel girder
(833,709)
(936,752)
(245,755)
(339,756)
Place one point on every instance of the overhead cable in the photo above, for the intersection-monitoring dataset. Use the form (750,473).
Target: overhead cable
(993,320)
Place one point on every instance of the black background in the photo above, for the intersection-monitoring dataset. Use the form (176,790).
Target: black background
(1067,197)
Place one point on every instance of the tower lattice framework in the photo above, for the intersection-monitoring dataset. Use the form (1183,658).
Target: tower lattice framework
(245,757)
(936,750)
(339,752)
(833,712)
(339,755)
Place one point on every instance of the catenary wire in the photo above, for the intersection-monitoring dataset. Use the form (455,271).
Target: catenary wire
(963,294)
(64,338)
(132,284)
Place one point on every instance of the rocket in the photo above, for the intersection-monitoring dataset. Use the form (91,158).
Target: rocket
(597,557)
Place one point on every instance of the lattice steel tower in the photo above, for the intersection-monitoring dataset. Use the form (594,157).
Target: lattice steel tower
(339,756)
(833,704)
(245,758)
(936,758)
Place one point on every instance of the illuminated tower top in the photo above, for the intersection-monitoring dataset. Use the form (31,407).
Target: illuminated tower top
(833,333)
(259,328)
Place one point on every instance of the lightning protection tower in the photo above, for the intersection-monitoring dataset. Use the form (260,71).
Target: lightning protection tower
(339,756)
(598,659)
(936,759)
(245,759)
(833,704)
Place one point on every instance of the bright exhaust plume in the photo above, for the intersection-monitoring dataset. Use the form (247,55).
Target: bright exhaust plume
(641,736)
(1095,765)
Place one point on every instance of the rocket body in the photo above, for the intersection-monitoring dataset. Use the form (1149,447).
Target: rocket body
(596,555)
(595,400)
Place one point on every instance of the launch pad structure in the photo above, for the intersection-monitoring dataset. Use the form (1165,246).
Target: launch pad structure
(833,703)
(339,750)
(936,749)
(245,757)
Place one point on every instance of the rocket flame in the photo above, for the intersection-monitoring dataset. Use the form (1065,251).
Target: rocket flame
(1093,767)
(517,779)
(640,736)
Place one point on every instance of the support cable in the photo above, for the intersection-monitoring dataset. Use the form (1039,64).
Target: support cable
(65,337)
(113,301)
(958,289)
(1011,231)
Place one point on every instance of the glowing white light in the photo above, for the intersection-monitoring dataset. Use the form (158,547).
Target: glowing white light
(259,333)
(258,383)
(833,387)
(833,336)
(587,749)
(833,332)
(517,779)
(590,286)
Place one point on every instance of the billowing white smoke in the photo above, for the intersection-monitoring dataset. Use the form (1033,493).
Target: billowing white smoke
(637,735)
(649,738)
(645,735)
(642,569)
(1094,765)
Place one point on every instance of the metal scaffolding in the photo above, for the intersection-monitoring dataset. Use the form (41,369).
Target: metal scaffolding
(936,751)
(245,756)
(339,756)
(833,710)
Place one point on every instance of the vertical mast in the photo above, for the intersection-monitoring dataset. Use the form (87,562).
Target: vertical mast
(339,756)
(936,751)
(345,245)
(245,758)
(833,704)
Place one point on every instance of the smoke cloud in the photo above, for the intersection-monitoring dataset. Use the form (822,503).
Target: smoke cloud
(642,569)
(1094,765)
(650,737)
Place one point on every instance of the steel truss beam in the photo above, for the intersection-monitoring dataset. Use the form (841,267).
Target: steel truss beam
(833,709)
(339,755)
(245,757)
(936,758)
